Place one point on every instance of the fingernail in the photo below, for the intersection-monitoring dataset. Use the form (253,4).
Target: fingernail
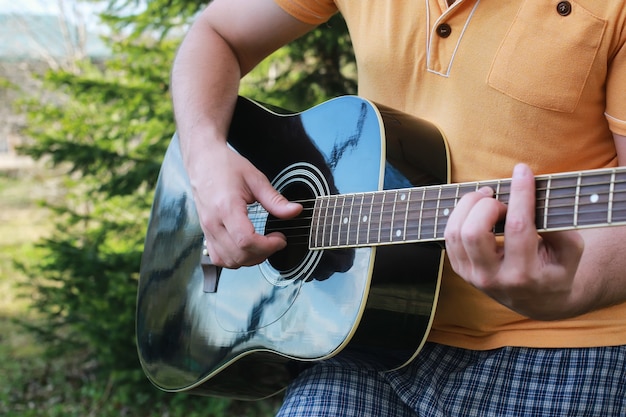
(520,170)
(486,191)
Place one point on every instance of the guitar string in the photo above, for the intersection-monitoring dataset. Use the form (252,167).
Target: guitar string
(476,186)
(347,202)
(426,220)
(427,231)
(448,198)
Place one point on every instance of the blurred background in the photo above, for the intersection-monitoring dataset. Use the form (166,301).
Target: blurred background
(85,118)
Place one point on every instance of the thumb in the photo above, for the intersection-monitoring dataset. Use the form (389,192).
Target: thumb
(275,203)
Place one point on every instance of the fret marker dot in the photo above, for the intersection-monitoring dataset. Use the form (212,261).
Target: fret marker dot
(398,233)
(594,198)
(402,197)
(345,220)
(446,212)
(364,218)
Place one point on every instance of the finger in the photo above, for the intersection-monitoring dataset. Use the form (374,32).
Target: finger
(479,240)
(230,234)
(245,245)
(273,201)
(461,210)
(519,229)
(453,233)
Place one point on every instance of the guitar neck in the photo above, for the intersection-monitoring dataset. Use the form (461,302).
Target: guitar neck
(564,201)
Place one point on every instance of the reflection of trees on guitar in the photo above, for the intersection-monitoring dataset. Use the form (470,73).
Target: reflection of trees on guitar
(244,334)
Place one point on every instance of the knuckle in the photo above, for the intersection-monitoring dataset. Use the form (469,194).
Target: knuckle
(470,234)
(244,241)
(516,224)
(451,235)
(482,282)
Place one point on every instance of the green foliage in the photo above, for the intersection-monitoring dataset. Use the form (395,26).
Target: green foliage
(69,387)
(5,84)
(156,17)
(312,69)
(108,124)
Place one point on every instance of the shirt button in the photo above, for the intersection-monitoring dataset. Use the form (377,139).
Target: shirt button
(564,8)
(444,30)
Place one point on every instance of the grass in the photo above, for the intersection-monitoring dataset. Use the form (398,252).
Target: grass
(22,222)
(34,384)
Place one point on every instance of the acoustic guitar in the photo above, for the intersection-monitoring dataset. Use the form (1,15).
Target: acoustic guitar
(361,271)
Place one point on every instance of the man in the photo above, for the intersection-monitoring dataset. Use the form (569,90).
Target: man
(534,326)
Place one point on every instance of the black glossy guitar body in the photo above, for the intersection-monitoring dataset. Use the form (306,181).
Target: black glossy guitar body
(245,333)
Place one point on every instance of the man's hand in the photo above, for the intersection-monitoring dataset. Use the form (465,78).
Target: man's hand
(230,182)
(531,274)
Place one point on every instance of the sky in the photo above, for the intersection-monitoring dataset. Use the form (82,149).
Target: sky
(83,12)
(32,6)
(86,9)
(18,39)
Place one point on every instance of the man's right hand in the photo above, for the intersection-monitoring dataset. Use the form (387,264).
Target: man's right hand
(222,193)
(227,40)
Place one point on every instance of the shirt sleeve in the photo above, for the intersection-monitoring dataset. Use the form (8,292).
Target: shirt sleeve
(313,12)
(616,92)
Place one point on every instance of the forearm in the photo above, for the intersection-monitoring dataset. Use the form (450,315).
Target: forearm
(205,81)
(601,275)
(228,39)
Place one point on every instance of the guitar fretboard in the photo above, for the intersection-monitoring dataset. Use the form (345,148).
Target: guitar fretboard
(564,201)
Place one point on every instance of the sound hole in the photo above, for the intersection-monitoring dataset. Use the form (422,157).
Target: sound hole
(296,230)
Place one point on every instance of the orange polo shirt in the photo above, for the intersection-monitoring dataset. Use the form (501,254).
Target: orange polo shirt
(543,82)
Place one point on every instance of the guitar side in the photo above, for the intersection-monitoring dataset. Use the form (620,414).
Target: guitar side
(249,337)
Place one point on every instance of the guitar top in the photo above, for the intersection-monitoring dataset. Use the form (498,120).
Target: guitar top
(245,333)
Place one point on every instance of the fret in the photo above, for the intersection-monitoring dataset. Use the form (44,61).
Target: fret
(504,190)
(468,187)
(577,200)
(387,207)
(561,204)
(330,217)
(429,212)
(609,217)
(618,208)
(338,220)
(448,199)
(498,190)
(387,215)
(406,213)
(545,191)
(437,212)
(413,214)
(594,200)
(317,226)
(393,214)
(328,221)
(361,233)
(368,218)
(420,213)
(483,184)
(379,214)
(397,230)
(350,220)
(457,194)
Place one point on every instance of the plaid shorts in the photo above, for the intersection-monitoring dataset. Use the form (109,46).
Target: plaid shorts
(446,381)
